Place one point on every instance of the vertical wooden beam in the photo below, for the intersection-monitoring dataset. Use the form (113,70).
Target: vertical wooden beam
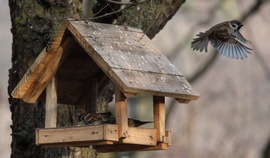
(121,113)
(159,117)
(51,105)
(91,95)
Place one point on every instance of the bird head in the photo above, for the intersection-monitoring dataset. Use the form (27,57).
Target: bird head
(235,25)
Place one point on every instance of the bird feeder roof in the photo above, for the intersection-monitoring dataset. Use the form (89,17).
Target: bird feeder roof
(124,54)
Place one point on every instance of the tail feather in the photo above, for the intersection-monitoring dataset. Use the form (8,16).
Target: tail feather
(200,43)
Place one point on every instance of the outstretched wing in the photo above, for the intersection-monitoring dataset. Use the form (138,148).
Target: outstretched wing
(240,37)
(200,43)
(230,47)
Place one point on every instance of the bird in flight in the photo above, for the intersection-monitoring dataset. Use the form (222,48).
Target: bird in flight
(226,38)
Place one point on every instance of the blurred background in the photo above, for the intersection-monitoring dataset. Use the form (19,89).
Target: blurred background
(231,118)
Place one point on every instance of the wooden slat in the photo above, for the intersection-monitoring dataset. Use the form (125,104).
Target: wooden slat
(159,117)
(51,105)
(121,113)
(129,147)
(78,144)
(76,135)
(151,83)
(40,73)
(142,136)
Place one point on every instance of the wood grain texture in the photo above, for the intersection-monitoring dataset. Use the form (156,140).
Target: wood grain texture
(159,117)
(51,105)
(121,113)
(78,136)
(142,136)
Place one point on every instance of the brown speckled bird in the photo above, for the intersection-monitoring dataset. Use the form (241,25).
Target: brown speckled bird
(225,38)
(102,118)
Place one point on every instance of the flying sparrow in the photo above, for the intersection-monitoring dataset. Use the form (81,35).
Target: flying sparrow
(225,38)
(102,118)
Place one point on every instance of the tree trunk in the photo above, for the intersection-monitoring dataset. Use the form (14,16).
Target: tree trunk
(32,26)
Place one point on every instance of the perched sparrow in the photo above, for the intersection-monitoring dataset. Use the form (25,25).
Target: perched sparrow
(94,118)
(102,118)
(225,38)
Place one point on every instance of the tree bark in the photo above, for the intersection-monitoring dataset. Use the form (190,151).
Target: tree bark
(32,26)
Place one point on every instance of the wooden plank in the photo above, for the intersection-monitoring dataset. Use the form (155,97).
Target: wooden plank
(40,73)
(131,81)
(142,136)
(121,113)
(76,134)
(159,117)
(78,144)
(59,30)
(51,105)
(129,147)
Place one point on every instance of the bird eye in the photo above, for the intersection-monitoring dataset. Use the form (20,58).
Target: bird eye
(234,26)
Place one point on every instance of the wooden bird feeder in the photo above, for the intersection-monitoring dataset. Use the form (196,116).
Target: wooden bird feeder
(77,65)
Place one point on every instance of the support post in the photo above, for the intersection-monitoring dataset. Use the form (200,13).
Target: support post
(51,105)
(159,117)
(121,113)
